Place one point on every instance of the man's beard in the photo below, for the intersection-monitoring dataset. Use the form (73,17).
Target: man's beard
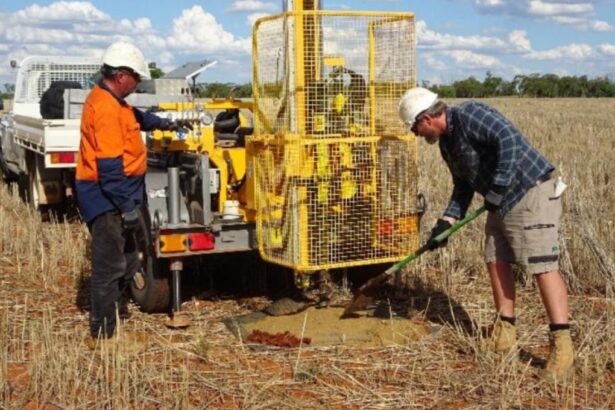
(431,140)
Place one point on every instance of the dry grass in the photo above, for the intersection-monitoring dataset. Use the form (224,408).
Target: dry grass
(44,362)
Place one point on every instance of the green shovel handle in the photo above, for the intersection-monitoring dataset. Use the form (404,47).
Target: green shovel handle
(469,217)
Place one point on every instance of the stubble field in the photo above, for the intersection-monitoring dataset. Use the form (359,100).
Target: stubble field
(44,270)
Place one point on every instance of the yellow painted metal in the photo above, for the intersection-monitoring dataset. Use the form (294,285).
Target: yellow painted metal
(335,175)
(299,77)
(173,243)
(334,61)
(213,104)
(232,163)
(371,55)
(246,193)
(168,141)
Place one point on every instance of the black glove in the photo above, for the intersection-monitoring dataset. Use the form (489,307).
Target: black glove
(130,219)
(441,226)
(493,198)
(176,125)
(182,125)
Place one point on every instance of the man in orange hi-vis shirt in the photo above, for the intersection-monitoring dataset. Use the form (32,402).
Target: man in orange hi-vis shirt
(110,181)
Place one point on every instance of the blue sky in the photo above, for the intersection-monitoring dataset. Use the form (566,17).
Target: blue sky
(456,38)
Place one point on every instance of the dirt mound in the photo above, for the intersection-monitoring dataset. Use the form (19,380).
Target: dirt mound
(324,327)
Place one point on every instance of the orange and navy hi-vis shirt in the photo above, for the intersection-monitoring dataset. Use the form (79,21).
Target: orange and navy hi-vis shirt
(112,156)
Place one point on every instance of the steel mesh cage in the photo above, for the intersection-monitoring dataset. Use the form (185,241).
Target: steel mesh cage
(335,172)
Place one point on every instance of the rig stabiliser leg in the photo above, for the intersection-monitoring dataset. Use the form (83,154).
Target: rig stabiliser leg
(325,290)
(177,319)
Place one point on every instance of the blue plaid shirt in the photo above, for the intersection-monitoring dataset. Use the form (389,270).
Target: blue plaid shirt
(483,149)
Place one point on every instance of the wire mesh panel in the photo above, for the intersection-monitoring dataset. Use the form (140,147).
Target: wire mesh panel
(37,74)
(335,173)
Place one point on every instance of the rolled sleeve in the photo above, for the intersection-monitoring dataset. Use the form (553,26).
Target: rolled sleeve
(460,199)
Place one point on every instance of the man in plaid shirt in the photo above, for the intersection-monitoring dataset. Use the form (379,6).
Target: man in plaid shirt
(485,153)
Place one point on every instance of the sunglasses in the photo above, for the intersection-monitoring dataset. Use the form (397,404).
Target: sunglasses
(134,75)
(417,121)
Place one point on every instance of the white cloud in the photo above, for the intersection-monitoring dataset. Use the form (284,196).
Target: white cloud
(539,8)
(434,64)
(601,26)
(251,19)
(437,41)
(80,29)
(569,12)
(198,31)
(62,11)
(608,49)
(518,38)
(545,8)
(24,34)
(472,60)
(252,6)
(489,3)
(583,24)
(570,20)
(575,52)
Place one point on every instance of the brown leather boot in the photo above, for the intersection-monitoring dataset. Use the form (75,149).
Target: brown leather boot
(125,342)
(561,359)
(504,336)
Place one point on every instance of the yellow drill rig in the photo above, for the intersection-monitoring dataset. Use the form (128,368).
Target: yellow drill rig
(316,172)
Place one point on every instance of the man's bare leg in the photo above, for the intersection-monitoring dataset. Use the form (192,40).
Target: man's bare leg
(503,286)
(554,296)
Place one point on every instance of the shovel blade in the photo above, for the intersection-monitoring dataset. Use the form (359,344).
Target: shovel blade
(365,296)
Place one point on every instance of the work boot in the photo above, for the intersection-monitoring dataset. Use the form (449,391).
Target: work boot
(126,342)
(504,336)
(123,310)
(561,358)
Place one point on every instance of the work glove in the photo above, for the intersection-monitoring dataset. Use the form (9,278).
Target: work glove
(130,220)
(441,226)
(493,198)
(181,125)
(176,125)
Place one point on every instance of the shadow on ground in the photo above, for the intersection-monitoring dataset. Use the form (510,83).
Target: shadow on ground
(421,301)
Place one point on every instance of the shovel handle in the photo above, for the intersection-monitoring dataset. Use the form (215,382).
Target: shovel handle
(468,218)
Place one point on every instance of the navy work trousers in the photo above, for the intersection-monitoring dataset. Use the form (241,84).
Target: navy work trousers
(115,260)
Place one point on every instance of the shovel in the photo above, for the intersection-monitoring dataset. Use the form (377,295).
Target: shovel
(366,294)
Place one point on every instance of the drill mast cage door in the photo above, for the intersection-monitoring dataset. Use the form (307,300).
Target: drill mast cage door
(335,172)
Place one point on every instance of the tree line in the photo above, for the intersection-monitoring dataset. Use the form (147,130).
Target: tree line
(533,85)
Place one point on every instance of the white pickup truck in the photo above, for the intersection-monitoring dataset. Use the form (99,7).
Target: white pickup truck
(41,153)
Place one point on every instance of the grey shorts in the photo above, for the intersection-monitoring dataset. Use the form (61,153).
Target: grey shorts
(529,233)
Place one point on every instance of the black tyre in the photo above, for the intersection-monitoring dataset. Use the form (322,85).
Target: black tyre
(150,286)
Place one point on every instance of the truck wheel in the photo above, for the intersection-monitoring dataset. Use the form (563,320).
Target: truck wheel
(150,286)
(27,184)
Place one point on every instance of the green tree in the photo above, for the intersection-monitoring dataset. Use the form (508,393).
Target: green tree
(444,91)
(9,90)
(533,85)
(469,88)
(492,85)
(156,72)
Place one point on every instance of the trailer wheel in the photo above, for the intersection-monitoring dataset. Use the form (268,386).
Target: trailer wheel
(150,286)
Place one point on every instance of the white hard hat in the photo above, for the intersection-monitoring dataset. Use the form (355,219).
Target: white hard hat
(125,54)
(413,102)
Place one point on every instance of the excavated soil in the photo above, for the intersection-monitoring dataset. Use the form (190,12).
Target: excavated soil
(324,327)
